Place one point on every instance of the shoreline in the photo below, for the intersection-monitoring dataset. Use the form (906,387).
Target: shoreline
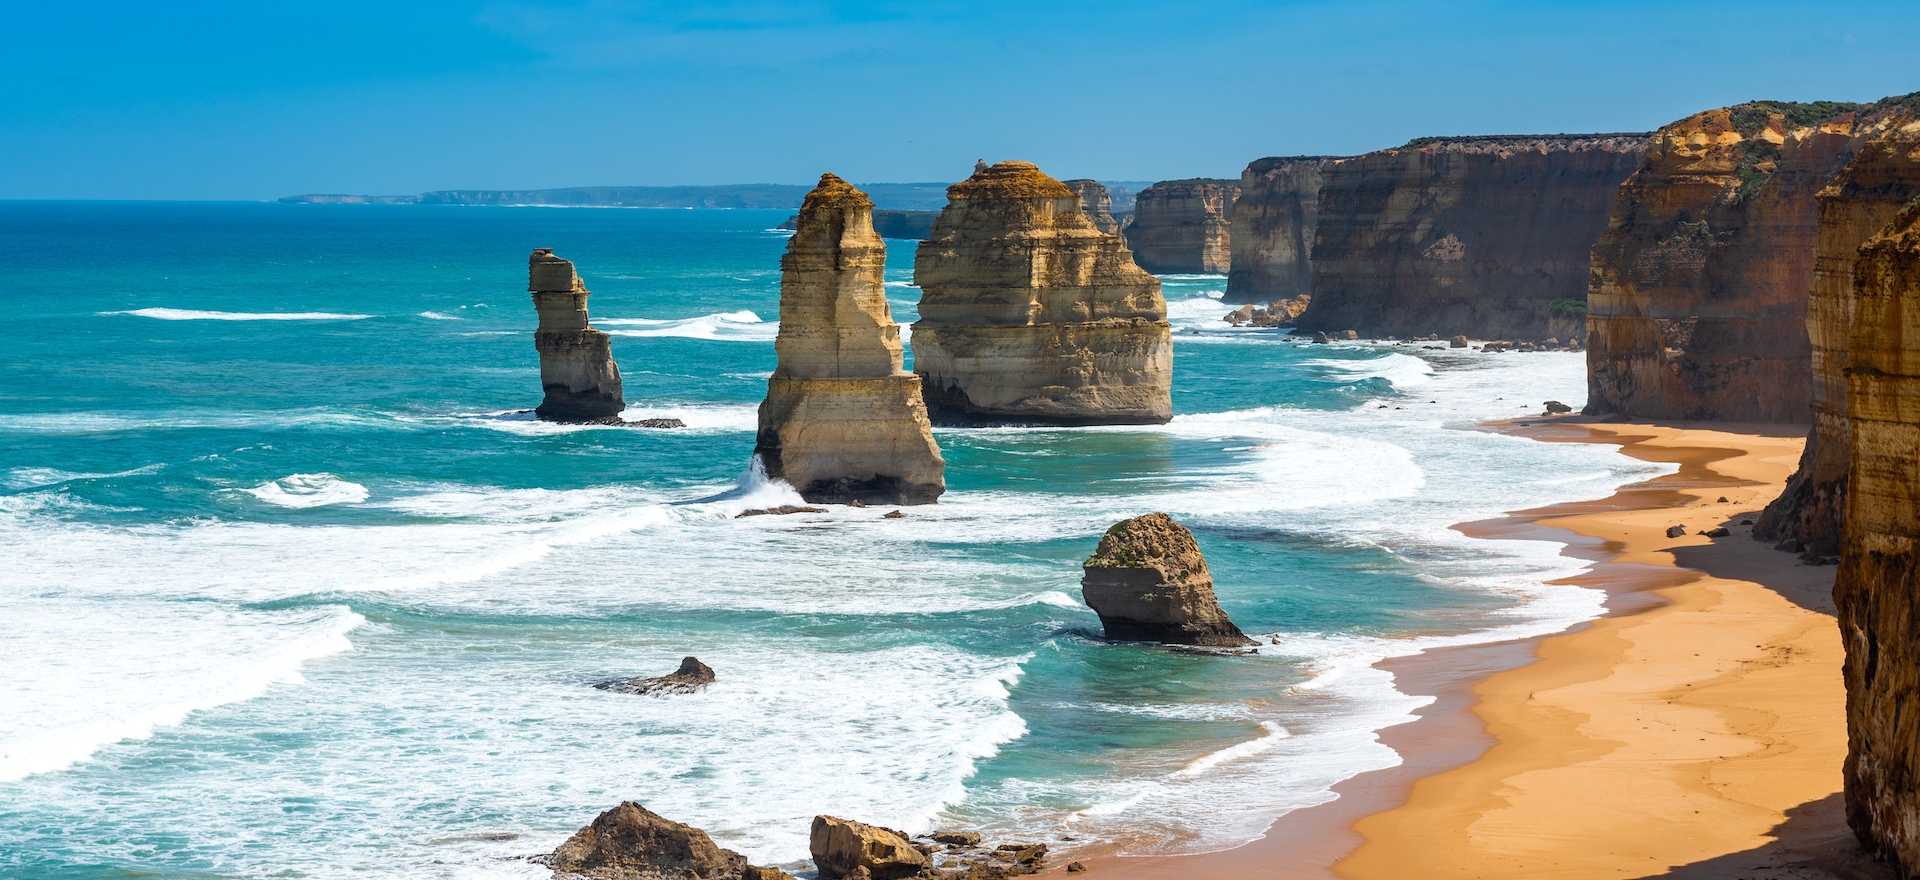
(1508,772)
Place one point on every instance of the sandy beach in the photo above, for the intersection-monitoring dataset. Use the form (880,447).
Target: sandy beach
(1696,731)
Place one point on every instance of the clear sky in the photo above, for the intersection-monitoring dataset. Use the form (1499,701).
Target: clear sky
(256,100)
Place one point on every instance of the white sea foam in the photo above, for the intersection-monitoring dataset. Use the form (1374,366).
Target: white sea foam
(439,316)
(36,477)
(300,491)
(740,326)
(199,315)
(1270,735)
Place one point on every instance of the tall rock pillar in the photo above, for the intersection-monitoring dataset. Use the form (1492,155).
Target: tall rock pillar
(842,421)
(1031,315)
(576,361)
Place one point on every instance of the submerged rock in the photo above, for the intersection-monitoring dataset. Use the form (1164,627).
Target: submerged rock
(842,421)
(692,676)
(782,510)
(1148,582)
(842,847)
(630,842)
(582,383)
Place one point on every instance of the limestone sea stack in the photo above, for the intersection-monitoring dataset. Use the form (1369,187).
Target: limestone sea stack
(1096,203)
(1880,179)
(1031,315)
(1184,226)
(1149,583)
(1474,236)
(1875,588)
(1272,229)
(842,421)
(631,842)
(576,361)
(1697,301)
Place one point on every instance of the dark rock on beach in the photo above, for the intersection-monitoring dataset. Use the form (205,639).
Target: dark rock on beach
(692,676)
(1148,582)
(630,842)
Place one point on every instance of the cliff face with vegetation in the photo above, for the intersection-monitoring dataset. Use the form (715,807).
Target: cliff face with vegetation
(842,421)
(1698,295)
(1030,315)
(1272,229)
(1475,236)
(1882,177)
(1182,226)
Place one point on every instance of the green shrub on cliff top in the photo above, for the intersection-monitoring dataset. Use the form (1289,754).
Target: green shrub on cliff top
(1566,308)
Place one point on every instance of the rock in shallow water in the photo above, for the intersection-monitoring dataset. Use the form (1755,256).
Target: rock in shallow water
(692,676)
(842,847)
(630,842)
(582,383)
(1148,582)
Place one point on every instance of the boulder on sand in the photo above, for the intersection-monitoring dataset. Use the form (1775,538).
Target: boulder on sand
(1148,582)
(630,842)
(842,847)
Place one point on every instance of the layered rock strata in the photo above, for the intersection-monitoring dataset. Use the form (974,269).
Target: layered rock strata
(1148,582)
(1272,228)
(1031,315)
(1859,202)
(630,842)
(1877,589)
(842,420)
(1096,203)
(577,371)
(1697,301)
(1477,236)
(1184,226)
(843,847)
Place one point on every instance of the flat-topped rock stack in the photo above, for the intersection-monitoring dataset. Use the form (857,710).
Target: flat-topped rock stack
(1183,226)
(1096,203)
(1030,315)
(577,371)
(842,420)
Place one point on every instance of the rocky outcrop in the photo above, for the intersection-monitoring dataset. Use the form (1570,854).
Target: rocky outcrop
(1875,590)
(1148,582)
(576,361)
(843,847)
(1882,177)
(1183,226)
(1096,203)
(1030,315)
(691,677)
(842,421)
(1477,236)
(630,842)
(1272,229)
(1697,302)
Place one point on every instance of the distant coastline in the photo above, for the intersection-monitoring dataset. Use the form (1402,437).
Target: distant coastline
(890,196)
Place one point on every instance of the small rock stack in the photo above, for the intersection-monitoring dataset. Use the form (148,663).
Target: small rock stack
(1149,583)
(577,371)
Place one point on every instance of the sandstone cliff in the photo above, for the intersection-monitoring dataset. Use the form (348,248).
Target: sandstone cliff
(842,421)
(1882,177)
(576,361)
(1030,315)
(1476,236)
(1183,226)
(1096,203)
(1148,582)
(1272,229)
(1698,294)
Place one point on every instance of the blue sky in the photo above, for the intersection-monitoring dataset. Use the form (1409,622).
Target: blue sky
(254,100)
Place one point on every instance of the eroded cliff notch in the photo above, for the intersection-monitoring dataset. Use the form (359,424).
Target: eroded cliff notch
(1184,226)
(1149,583)
(1031,315)
(577,371)
(842,420)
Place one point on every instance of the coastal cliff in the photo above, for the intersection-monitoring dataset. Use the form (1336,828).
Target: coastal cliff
(1697,302)
(577,371)
(1096,203)
(1882,177)
(1183,226)
(842,421)
(1272,229)
(1475,236)
(1031,315)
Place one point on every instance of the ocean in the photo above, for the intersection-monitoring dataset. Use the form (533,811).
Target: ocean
(293,587)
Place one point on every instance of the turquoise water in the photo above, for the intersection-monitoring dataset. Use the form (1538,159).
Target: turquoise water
(293,590)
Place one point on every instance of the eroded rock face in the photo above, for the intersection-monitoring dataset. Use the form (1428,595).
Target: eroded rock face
(692,677)
(1096,203)
(1882,177)
(576,361)
(630,842)
(842,421)
(1148,582)
(1272,229)
(1476,236)
(1877,588)
(841,847)
(1698,295)
(1031,315)
(1183,226)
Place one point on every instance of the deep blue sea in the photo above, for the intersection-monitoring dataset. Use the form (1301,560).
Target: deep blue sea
(290,589)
